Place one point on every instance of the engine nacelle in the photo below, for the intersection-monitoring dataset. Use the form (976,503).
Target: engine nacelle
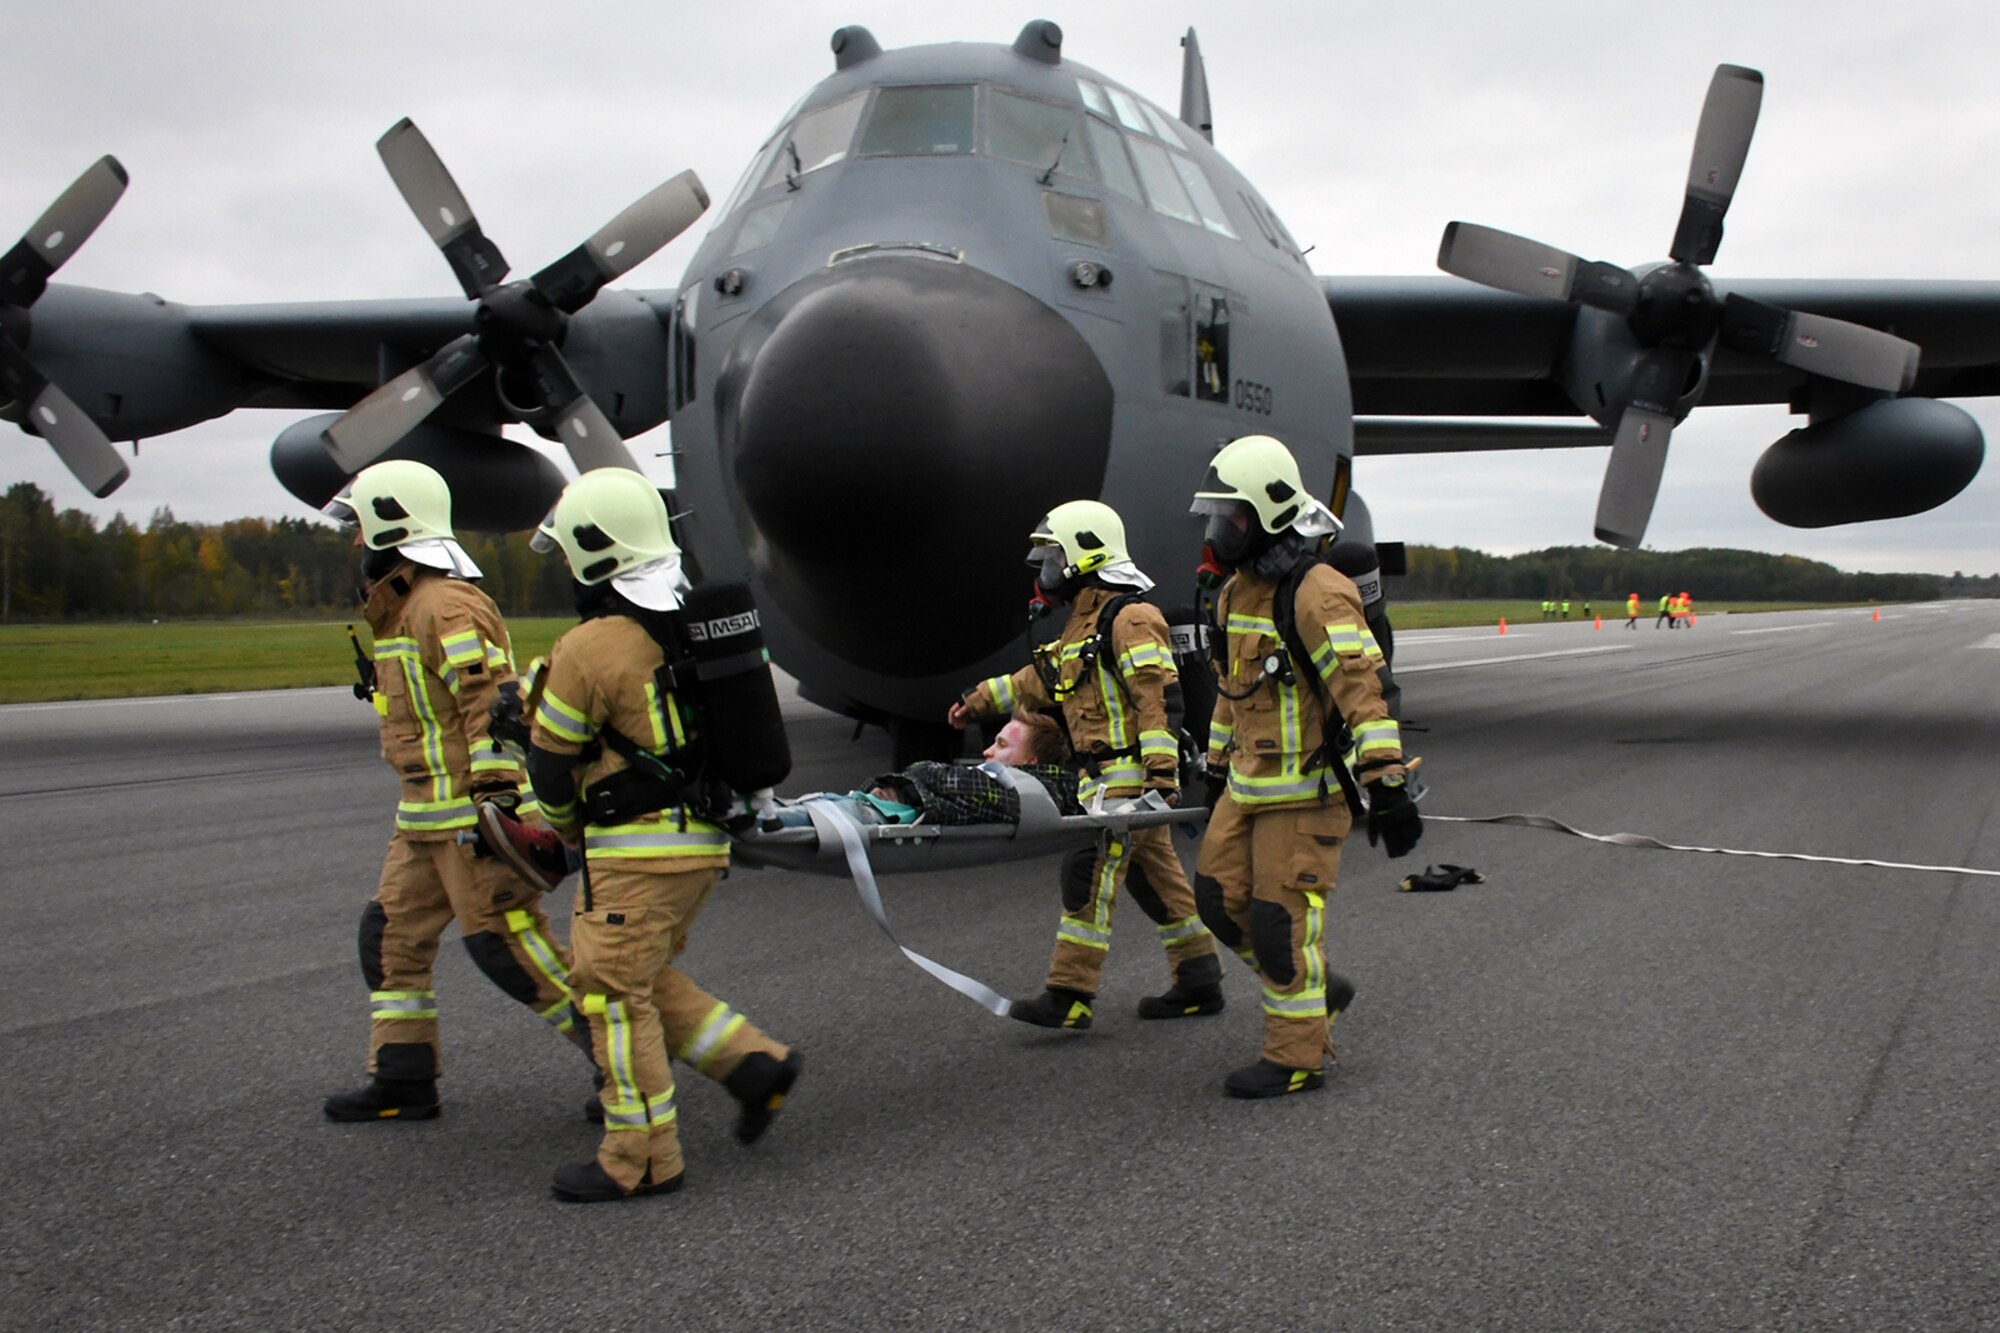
(1889,459)
(496,484)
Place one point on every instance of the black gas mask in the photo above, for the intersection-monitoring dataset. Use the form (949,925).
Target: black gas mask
(1233,534)
(377,565)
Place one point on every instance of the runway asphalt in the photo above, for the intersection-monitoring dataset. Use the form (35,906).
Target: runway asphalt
(1607,1088)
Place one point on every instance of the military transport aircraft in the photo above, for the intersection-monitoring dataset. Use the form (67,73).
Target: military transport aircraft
(960,283)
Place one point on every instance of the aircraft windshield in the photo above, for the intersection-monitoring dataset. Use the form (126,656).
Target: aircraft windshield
(1037,134)
(919,122)
(819,139)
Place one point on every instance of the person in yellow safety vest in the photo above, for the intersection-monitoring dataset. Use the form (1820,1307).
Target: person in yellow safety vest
(1666,611)
(442,657)
(1294,682)
(1116,687)
(651,854)
(1565,608)
(1632,611)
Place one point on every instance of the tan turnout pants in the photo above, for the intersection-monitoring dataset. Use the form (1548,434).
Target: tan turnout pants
(1261,883)
(641,1009)
(426,886)
(1148,868)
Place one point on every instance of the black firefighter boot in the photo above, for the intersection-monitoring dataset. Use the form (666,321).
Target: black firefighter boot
(1056,1007)
(1197,990)
(760,1083)
(404,1087)
(1265,1079)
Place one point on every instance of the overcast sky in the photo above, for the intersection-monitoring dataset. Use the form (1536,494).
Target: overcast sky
(249,126)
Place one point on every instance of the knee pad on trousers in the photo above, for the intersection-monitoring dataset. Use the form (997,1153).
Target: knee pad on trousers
(406,1062)
(374,923)
(1271,938)
(1144,894)
(1208,906)
(1079,877)
(492,956)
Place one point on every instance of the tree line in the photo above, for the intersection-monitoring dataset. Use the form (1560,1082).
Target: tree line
(65,566)
(1604,574)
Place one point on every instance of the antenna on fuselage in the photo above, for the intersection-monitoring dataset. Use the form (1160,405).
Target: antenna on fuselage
(1195,112)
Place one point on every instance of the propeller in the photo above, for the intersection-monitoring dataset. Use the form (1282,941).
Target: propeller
(519,326)
(30,396)
(1672,311)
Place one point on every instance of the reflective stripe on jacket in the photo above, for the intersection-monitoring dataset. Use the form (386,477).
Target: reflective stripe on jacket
(441,656)
(1268,736)
(1097,712)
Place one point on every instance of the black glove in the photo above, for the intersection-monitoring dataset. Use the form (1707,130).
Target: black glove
(1217,782)
(1392,818)
(504,718)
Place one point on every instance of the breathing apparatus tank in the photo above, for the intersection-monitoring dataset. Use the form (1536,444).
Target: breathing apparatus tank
(1188,632)
(742,725)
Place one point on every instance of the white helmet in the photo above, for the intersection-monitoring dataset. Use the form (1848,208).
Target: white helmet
(1257,474)
(406,505)
(1083,537)
(612,525)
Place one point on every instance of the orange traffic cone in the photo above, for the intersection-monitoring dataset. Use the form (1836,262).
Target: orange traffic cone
(1503,624)
(1597,622)
(1691,620)
(1877,618)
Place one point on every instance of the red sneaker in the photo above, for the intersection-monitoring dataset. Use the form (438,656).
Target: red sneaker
(535,854)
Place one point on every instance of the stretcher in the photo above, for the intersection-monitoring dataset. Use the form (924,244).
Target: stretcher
(894,849)
(835,843)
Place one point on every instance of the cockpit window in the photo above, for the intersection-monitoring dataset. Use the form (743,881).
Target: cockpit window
(1161,125)
(1109,151)
(819,140)
(1129,114)
(1163,183)
(1037,134)
(1203,195)
(1094,98)
(919,122)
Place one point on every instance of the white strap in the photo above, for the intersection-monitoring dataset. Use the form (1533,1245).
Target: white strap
(1641,840)
(832,821)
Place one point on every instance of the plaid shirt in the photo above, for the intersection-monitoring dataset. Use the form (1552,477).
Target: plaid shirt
(959,794)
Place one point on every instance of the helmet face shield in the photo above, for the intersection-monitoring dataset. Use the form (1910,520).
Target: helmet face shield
(340,509)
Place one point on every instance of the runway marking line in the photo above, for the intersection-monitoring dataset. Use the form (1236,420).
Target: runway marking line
(1516,657)
(1783,629)
(171,699)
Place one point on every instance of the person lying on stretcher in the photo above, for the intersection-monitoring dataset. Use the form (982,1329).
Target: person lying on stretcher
(959,794)
(931,792)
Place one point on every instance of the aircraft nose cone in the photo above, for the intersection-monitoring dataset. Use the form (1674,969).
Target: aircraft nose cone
(895,426)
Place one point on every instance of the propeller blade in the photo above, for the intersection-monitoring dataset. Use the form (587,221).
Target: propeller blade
(1495,258)
(441,207)
(1632,477)
(47,246)
(84,449)
(1639,449)
(593,442)
(623,243)
(1819,345)
(372,426)
(1721,143)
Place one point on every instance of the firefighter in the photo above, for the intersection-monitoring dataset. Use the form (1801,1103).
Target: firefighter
(442,658)
(1294,655)
(616,753)
(1111,672)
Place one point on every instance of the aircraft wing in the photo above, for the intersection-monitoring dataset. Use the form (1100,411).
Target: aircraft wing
(1441,346)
